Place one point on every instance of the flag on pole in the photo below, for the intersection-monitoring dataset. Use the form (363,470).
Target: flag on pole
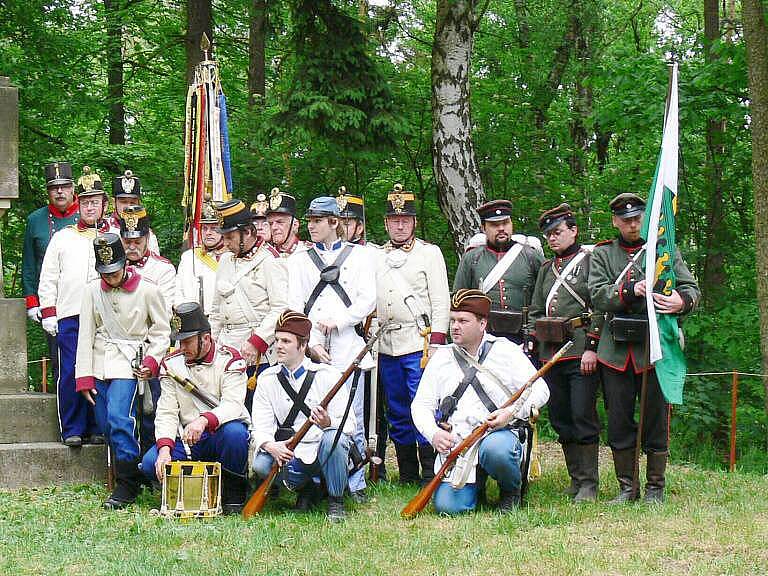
(207,172)
(659,232)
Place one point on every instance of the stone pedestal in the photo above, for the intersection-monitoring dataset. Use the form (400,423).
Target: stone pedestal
(13,345)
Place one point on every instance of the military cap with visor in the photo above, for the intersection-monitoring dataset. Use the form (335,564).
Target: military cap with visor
(233,215)
(281,203)
(126,186)
(260,207)
(495,210)
(627,205)
(400,202)
(110,254)
(134,222)
(188,320)
(89,184)
(208,214)
(551,219)
(471,300)
(58,173)
(294,323)
(350,206)
(323,206)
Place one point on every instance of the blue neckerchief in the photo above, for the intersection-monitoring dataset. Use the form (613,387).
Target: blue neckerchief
(335,246)
(296,375)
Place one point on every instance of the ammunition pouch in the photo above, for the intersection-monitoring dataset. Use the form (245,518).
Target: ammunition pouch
(355,458)
(505,322)
(555,329)
(446,409)
(629,328)
(284,433)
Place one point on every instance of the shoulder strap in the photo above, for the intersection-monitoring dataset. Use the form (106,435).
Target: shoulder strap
(470,379)
(561,277)
(318,262)
(299,404)
(632,262)
(501,267)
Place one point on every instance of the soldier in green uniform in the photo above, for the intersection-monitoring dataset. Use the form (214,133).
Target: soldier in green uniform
(505,269)
(561,310)
(617,287)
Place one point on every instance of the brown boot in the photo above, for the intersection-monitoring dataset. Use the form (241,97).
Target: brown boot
(624,464)
(655,477)
(571,463)
(587,473)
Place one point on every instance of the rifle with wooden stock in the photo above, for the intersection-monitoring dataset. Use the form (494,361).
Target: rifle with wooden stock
(258,499)
(420,501)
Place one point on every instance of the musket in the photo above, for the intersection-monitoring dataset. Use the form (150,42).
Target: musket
(202,395)
(420,501)
(259,498)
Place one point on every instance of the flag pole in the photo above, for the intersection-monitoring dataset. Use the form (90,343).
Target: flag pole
(641,420)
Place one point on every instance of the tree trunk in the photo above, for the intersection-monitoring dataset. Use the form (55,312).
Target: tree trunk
(459,187)
(198,21)
(714,279)
(115,88)
(256,55)
(756,39)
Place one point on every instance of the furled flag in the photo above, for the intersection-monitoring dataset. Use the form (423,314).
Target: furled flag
(659,231)
(207,172)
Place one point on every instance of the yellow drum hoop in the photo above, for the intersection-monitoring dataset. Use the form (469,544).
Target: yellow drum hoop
(173,504)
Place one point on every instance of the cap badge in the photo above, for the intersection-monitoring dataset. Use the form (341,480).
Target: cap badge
(275,199)
(176,322)
(341,202)
(131,221)
(127,182)
(105,253)
(261,203)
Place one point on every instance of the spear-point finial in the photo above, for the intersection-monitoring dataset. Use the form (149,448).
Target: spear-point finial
(205,45)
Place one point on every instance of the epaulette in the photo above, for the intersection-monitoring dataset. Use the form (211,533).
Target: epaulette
(233,353)
(169,356)
(271,249)
(604,242)
(160,258)
(547,262)
(270,371)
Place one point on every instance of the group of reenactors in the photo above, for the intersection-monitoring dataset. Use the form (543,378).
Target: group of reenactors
(227,357)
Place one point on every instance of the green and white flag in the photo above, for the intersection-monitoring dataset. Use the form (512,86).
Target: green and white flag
(659,232)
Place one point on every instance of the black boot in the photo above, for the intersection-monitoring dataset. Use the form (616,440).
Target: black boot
(569,452)
(234,491)
(624,464)
(307,497)
(407,463)
(655,477)
(508,501)
(336,511)
(128,479)
(481,481)
(427,460)
(587,473)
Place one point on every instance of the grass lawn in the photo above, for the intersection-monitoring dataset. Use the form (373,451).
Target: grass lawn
(713,523)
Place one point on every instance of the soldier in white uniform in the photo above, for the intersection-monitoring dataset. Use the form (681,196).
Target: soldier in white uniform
(288,394)
(251,290)
(283,224)
(196,275)
(134,231)
(183,422)
(413,301)
(451,402)
(67,268)
(333,283)
(126,190)
(259,213)
(121,312)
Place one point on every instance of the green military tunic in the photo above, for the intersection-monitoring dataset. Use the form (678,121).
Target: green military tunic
(563,304)
(613,295)
(515,288)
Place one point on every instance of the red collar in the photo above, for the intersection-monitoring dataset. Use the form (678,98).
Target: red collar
(130,282)
(289,246)
(140,263)
(101,226)
(74,207)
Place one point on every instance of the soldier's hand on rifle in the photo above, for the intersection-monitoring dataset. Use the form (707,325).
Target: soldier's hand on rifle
(319,416)
(279,451)
(249,353)
(640,288)
(320,354)
(142,373)
(90,395)
(163,458)
(588,362)
(499,418)
(444,441)
(671,304)
(194,430)
(326,326)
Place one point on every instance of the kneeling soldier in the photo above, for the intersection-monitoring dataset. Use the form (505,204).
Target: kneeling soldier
(281,406)
(120,312)
(463,385)
(186,429)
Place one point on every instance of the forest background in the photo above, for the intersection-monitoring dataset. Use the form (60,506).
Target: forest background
(557,100)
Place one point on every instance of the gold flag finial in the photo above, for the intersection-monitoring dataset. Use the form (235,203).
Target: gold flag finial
(205,44)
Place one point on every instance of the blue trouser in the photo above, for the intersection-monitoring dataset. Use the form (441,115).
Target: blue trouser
(332,466)
(227,445)
(116,414)
(500,455)
(76,416)
(148,420)
(357,480)
(400,375)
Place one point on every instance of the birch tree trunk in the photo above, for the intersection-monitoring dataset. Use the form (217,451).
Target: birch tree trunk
(756,39)
(459,187)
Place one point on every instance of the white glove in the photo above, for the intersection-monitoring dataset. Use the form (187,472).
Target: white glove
(51,325)
(34,313)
